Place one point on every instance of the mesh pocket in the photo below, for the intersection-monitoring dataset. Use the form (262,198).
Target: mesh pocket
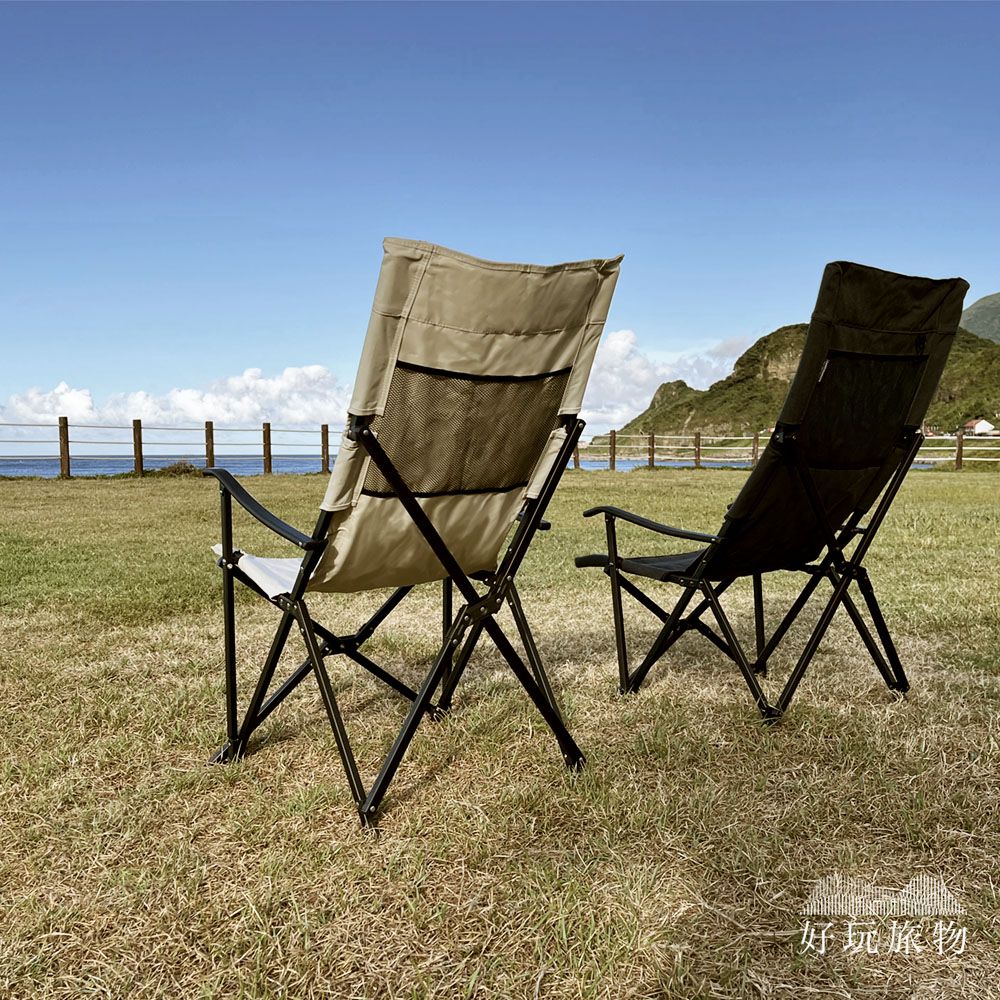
(448,433)
(858,409)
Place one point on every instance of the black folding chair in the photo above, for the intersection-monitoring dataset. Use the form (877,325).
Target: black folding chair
(463,418)
(848,432)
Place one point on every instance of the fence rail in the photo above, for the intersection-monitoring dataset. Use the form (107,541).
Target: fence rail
(72,443)
(702,450)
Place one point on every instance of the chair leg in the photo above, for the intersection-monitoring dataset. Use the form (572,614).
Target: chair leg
(229,645)
(691,621)
(869,641)
(668,635)
(459,664)
(702,629)
(447,668)
(760,666)
(284,689)
(437,674)
(348,646)
(456,667)
(250,719)
(447,616)
(236,748)
(868,593)
(369,808)
(813,642)
(621,643)
(766,710)
(446,606)
(330,702)
(571,752)
(530,649)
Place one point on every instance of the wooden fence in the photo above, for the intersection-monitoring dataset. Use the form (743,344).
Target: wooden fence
(75,441)
(700,450)
(612,450)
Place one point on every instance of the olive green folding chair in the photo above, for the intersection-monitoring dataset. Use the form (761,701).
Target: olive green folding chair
(845,439)
(464,414)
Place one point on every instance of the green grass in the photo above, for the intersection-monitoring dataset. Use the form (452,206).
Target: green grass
(674,865)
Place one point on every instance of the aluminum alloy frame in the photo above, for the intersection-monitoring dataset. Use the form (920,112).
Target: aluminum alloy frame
(836,564)
(461,629)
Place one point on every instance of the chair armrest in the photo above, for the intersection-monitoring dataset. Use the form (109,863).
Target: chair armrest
(543,525)
(645,522)
(256,509)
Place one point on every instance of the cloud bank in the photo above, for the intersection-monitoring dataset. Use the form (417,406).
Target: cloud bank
(624,377)
(297,397)
(623,382)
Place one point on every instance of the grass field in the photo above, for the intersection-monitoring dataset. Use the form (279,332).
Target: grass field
(675,865)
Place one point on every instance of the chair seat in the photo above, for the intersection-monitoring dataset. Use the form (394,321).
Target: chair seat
(654,567)
(273,576)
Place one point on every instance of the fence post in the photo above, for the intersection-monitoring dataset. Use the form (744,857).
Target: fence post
(324,441)
(697,449)
(267,449)
(209,444)
(576,456)
(137,445)
(64,448)
(611,451)
(652,449)
(755,451)
(959,448)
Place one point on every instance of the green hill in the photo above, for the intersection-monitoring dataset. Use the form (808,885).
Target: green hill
(970,386)
(749,399)
(983,317)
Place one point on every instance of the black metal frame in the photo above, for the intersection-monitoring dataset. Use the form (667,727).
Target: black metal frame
(460,631)
(834,564)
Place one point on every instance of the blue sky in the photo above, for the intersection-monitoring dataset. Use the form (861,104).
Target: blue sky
(189,191)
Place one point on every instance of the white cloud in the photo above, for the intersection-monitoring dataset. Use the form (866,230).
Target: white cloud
(35,406)
(624,377)
(297,397)
(622,384)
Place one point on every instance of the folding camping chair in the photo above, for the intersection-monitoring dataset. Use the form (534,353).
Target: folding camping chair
(463,417)
(848,432)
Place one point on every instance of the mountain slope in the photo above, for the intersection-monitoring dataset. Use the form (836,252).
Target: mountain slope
(970,385)
(749,399)
(983,317)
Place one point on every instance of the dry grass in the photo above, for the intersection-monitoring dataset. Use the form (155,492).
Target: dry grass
(675,865)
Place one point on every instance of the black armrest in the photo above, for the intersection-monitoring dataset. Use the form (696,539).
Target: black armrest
(543,525)
(255,508)
(645,522)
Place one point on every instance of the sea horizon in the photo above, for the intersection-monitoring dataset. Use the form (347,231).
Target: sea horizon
(91,466)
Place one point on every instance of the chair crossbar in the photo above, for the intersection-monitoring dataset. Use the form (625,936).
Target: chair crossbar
(840,567)
(713,637)
(461,631)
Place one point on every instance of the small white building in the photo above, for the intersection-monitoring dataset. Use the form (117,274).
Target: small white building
(978,426)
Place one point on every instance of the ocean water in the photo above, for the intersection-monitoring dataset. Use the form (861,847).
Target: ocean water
(243,465)
(114,465)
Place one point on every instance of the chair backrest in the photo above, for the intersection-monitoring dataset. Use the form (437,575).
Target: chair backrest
(876,347)
(466,370)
